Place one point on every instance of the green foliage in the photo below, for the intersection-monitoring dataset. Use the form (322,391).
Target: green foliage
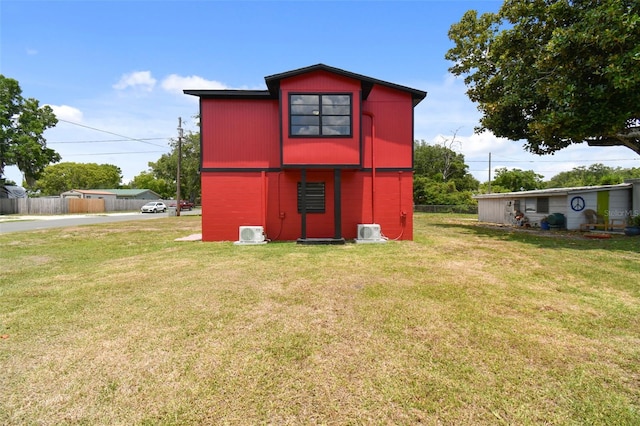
(427,191)
(441,176)
(554,72)
(22,123)
(596,174)
(485,188)
(58,178)
(517,180)
(165,170)
(146,180)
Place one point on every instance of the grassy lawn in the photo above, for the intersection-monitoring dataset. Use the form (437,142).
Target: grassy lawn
(120,324)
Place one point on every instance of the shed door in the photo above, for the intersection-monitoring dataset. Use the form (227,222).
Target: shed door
(603,205)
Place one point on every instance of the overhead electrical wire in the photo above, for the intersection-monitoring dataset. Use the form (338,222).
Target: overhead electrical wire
(112,133)
(114,153)
(552,161)
(102,141)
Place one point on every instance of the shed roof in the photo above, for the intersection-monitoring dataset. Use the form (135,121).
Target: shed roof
(273,85)
(555,191)
(131,192)
(91,191)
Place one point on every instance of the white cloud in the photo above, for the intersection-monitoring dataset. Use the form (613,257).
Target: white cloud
(175,83)
(66,112)
(142,80)
(31,52)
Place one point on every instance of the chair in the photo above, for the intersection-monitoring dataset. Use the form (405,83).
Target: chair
(594,221)
(592,216)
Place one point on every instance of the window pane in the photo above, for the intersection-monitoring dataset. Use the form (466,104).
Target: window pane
(305,100)
(336,100)
(336,109)
(339,120)
(336,130)
(305,130)
(305,120)
(543,205)
(305,110)
(530,205)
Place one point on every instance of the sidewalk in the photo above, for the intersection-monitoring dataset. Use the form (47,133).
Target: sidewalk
(16,217)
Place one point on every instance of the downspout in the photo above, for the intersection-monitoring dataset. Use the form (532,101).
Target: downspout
(373,165)
(264,199)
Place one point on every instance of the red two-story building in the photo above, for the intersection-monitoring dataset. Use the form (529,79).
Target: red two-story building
(319,152)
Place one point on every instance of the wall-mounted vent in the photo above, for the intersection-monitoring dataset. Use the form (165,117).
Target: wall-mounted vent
(251,235)
(369,233)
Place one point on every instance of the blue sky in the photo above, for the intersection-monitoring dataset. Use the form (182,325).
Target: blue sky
(114,71)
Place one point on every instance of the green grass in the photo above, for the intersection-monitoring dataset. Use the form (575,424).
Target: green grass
(467,324)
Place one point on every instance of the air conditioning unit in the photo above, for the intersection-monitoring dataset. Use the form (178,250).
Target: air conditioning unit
(251,235)
(369,233)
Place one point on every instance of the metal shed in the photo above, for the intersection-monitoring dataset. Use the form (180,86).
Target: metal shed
(606,205)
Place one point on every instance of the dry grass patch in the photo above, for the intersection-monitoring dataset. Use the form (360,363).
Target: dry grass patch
(116,324)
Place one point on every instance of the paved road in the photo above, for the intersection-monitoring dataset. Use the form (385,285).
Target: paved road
(17,223)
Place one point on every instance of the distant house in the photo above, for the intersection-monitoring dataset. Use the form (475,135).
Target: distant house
(89,193)
(134,194)
(582,207)
(319,153)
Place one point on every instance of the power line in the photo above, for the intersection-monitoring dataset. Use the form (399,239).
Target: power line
(554,161)
(113,153)
(103,141)
(111,133)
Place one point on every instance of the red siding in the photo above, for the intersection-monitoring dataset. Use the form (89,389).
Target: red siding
(231,200)
(393,196)
(284,194)
(240,133)
(321,151)
(246,134)
(393,122)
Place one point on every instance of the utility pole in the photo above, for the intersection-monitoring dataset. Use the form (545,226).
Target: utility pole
(489,173)
(178,197)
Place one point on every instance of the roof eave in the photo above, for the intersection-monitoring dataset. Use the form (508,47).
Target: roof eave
(230,94)
(273,81)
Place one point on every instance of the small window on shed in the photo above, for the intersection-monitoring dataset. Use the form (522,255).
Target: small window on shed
(313,198)
(543,205)
(530,205)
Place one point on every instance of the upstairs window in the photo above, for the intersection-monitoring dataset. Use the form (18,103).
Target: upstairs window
(318,115)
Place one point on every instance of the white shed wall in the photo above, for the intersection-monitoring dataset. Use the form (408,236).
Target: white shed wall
(575,218)
(620,205)
(492,210)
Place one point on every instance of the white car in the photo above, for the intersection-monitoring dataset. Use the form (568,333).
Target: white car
(153,207)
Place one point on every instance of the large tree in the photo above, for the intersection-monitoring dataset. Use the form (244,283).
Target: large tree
(595,174)
(439,162)
(58,178)
(516,180)
(166,168)
(554,72)
(147,180)
(22,123)
(441,175)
